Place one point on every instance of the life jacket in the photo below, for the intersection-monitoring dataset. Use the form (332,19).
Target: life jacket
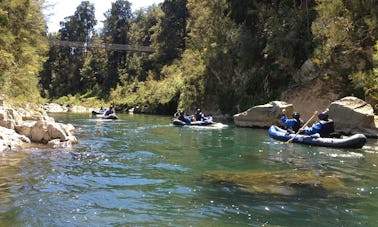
(181,118)
(327,128)
(198,116)
(296,126)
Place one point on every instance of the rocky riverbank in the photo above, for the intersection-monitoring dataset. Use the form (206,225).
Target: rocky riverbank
(22,126)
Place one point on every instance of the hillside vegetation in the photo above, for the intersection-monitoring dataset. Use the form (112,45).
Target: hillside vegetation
(221,55)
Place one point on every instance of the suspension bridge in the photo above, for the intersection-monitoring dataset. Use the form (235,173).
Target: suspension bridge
(108,46)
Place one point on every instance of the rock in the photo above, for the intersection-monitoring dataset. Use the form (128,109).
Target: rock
(80,109)
(9,139)
(44,131)
(54,108)
(309,97)
(14,115)
(352,115)
(30,115)
(9,118)
(308,72)
(56,143)
(26,126)
(9,123)
(263,115)
(289,183)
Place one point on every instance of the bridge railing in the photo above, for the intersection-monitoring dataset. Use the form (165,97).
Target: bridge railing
(108,46)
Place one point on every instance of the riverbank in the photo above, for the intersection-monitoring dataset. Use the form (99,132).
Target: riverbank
(31,124)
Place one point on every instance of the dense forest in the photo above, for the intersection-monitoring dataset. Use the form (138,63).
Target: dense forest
(221,55)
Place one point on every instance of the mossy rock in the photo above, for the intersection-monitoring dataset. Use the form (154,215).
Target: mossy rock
(278,183)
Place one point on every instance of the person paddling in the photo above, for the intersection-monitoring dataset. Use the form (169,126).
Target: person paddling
(109,111)
(324,126)
(294,124)
(198,116)
(184,118)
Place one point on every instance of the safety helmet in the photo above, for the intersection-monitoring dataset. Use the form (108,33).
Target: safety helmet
(296,115)
(323,116)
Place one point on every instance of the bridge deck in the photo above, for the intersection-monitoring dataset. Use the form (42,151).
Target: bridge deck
(109,46)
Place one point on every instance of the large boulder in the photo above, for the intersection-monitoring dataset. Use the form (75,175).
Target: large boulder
(9,139)
(352,115)
(263,115)
(45,131)
(308,71)
(9,118)
(31,125)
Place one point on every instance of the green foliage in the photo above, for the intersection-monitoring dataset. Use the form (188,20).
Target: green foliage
(332,26)
(116,30)
(148,94)
(368,81)
(80,26)
(62,71)
(192,70)
(141,30)
(80,100)
(224,55)
(346,32)
(94,71)
(169,33)
(22,48)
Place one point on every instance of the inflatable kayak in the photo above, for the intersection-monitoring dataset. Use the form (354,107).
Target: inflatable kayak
(110,116)
(354,141)
(193,123)
(97,112)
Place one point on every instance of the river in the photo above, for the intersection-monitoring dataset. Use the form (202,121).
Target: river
(142,171)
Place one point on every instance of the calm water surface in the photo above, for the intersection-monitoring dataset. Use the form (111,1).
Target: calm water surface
(142,171)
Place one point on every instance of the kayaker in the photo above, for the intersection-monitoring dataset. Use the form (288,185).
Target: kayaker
(184,118)
(109,111)
(324,126)
(292,125)
(199,116)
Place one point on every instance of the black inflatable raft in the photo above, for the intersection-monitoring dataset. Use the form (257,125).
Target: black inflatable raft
(193,123)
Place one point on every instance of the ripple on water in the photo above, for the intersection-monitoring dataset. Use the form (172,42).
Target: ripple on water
(142,171)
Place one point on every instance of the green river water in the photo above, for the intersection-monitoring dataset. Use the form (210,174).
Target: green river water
(142,171)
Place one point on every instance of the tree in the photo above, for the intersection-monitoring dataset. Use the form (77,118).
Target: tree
(346,32)
(141,31)
(170,33)
(66,62)
(116,30)
(94,70)
(23,44)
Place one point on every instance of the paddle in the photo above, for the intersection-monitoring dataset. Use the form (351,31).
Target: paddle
(303,127)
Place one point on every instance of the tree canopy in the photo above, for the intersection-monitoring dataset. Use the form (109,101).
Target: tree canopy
(223,54)
(22,48)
